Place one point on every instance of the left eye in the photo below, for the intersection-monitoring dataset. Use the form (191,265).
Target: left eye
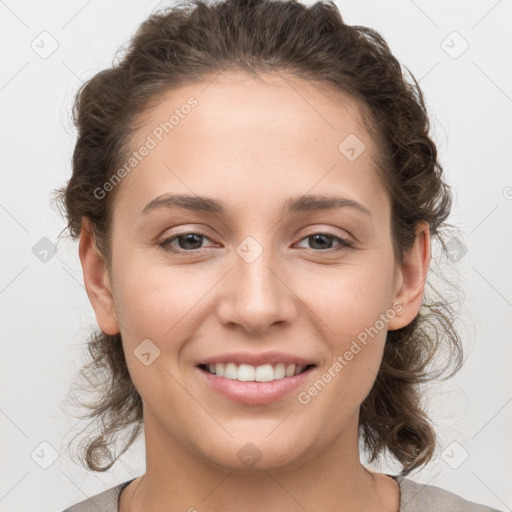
(320,238)
(191,242)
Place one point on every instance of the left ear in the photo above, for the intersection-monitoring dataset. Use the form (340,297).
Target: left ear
(411,279)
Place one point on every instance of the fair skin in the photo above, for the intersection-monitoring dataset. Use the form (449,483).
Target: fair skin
(252,145)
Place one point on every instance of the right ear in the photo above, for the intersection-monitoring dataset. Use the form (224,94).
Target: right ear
(97,281)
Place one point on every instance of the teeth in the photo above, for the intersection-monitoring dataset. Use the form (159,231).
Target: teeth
(279,371)
(249,373)
(219,369)
(246,372)
(264,373)
(230,371)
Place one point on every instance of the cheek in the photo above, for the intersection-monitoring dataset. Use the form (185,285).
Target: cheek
(355,309)
(153,300)
(350,299)
(158,304)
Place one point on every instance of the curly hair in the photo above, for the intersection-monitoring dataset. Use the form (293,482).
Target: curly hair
(194,40)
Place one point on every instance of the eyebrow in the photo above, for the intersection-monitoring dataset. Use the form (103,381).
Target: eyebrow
(309,202)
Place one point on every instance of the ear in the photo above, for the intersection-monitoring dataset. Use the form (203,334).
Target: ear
(411,279)
(97,281)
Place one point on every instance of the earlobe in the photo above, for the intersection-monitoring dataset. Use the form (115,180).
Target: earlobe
(412,277)
(97,281)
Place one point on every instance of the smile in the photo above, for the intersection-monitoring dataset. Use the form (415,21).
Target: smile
(240,383)
(250,373)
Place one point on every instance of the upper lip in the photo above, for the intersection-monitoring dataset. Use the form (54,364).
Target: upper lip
(257,359)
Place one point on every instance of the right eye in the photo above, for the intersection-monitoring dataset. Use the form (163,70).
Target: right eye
(187,243)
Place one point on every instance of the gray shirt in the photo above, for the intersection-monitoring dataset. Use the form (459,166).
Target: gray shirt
(414,497)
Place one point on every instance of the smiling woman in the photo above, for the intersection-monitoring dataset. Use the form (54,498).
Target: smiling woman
(258,265)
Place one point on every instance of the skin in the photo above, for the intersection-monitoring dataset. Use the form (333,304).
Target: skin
(236,146)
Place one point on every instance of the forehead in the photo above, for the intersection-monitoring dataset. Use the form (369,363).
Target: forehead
(233,131)
(279,109)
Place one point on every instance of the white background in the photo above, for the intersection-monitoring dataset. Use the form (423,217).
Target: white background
(46,316)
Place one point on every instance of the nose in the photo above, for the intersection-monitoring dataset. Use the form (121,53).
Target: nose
(257,294)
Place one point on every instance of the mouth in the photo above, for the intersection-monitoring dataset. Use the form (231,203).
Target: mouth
(250,373)
(254,385)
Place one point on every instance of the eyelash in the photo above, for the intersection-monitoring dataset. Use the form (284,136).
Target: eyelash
(165,245)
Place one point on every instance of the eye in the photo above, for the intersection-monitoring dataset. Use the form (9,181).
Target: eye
(324,240)
(187,242)
(191,242)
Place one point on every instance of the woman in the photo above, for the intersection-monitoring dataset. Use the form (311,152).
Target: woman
(213,161)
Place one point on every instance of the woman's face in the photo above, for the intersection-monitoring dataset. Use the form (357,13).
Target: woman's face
(251,283)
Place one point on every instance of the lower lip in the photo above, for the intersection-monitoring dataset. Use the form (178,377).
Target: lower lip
(254,393)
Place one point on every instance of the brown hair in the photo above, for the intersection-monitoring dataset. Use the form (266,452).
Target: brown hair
(193,40)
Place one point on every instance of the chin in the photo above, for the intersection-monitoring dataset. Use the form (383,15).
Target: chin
(243,455)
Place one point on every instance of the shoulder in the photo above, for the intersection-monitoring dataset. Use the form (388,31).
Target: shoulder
(106,501)
(417,497)
(414,497)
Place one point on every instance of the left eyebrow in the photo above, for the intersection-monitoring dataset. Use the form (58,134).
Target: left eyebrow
(309,202)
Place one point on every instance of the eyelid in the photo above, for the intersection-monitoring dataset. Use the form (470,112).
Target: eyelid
(345,244)
(325,229)
(165,242)
(176,231)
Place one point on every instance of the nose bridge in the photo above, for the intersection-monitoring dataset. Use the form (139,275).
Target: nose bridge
(256,295)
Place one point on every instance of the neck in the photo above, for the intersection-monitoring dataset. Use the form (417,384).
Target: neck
(332,481)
